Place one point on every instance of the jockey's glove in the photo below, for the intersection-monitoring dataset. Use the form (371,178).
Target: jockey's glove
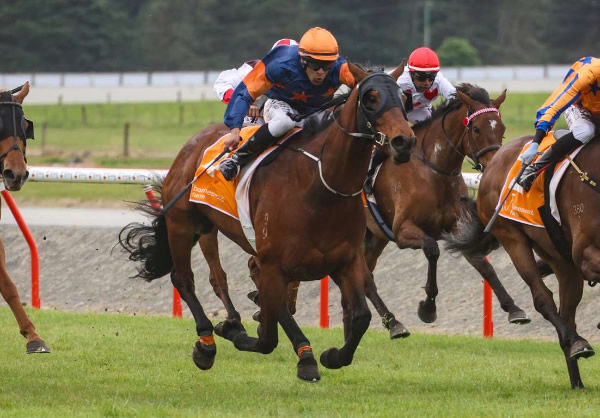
(529,154)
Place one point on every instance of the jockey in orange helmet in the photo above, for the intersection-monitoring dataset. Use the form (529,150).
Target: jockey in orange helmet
(296,79)
(422,82)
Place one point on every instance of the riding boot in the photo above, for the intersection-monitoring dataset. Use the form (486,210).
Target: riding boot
(256,144)
(554,154)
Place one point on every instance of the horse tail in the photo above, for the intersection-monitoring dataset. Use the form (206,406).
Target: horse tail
(469,237)
(148,244)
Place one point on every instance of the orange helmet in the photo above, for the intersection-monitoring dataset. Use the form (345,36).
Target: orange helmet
(318,44)
(423,59)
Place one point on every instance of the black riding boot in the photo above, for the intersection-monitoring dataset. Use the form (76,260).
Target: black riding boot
(256,144)
(555,153)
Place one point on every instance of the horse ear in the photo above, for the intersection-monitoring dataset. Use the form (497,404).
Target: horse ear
(357,72)
(499,100)
(397,72)
(20,96)
(465,99)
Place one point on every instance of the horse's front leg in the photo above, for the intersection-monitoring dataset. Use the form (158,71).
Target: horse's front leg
(209,244)
(521,254)
(570,288)
(373,248)
(515,314)
(181,242)
(351,281)
(35,343)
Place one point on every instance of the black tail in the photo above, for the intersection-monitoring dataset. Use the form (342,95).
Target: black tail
(469,237)
(148,244)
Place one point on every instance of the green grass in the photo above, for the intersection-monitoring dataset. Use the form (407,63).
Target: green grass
(92,135)
(116,365)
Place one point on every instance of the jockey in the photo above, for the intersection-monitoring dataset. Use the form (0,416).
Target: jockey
(423,83)
(579,98)
(296,79)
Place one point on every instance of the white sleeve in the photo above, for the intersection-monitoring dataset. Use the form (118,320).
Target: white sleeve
(229,79)
(447,90)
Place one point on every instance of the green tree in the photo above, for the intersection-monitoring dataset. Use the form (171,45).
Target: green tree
(458,52)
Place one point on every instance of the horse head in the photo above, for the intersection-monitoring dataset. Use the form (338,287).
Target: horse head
(484,128)
(381,111)
(14,131)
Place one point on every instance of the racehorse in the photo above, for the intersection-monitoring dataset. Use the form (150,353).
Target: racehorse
(577,259)
(310,219)
(14,131)
(423,198)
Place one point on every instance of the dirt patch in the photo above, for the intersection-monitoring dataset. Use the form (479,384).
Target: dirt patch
(82,270)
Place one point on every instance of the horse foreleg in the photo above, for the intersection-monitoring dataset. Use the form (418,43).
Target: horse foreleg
(35,343)
(181,241)
(570,292)
(351,281)
(209,244)
(427,309)
(373,248)
(515,314)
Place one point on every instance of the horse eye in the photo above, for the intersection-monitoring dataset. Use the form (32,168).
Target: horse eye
(476,129)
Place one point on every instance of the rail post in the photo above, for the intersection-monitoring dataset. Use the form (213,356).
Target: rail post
(35,259)
(324,317)
(488,323)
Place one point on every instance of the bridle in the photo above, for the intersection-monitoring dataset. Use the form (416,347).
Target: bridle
(390,97)
(475,163)
(14,133)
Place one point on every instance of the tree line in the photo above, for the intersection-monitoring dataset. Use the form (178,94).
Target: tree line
(180,35)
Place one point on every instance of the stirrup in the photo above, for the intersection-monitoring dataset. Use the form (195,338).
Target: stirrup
(229,168)
(527,178)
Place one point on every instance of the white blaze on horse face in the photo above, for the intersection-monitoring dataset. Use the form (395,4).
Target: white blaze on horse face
(493,123)
(436,149)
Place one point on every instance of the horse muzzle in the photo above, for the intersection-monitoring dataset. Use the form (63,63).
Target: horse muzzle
(13,181)
(401,147)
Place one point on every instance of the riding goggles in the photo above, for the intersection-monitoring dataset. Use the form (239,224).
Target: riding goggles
(422,76)
(317,65)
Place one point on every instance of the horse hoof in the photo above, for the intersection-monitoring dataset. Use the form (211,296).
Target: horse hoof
(204,355)
(253,296)
(518,317)
(581,349)
(256,316)
(308,369)
(229,328)
(37,346)
(330,358)
(427,312)
(398,330)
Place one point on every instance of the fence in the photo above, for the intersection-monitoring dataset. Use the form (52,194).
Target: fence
(146,177)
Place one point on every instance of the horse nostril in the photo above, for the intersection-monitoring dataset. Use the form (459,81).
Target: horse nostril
(26,176)
(8,174)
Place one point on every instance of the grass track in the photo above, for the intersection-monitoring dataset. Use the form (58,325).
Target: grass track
(115,365)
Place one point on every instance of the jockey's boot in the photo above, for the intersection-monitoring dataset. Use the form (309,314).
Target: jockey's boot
(554,154)
(256,144)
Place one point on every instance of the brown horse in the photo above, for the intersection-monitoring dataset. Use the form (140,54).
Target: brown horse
(578,201)
(424,198)
(14,131)
(310,217)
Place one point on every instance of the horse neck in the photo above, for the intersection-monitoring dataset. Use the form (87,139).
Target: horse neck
(440,142)
(345,158)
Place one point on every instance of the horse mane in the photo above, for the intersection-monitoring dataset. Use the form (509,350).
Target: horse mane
(474,92)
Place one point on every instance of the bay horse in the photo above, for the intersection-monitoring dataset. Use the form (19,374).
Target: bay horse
(14,131)
(420,200)
(578,203)
(306,208)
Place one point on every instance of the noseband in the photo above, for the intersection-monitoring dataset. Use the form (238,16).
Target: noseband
(467,123)
(6,131)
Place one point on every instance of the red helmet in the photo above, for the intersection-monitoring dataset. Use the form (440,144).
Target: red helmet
(284,41)
(318,44)
(423,59)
